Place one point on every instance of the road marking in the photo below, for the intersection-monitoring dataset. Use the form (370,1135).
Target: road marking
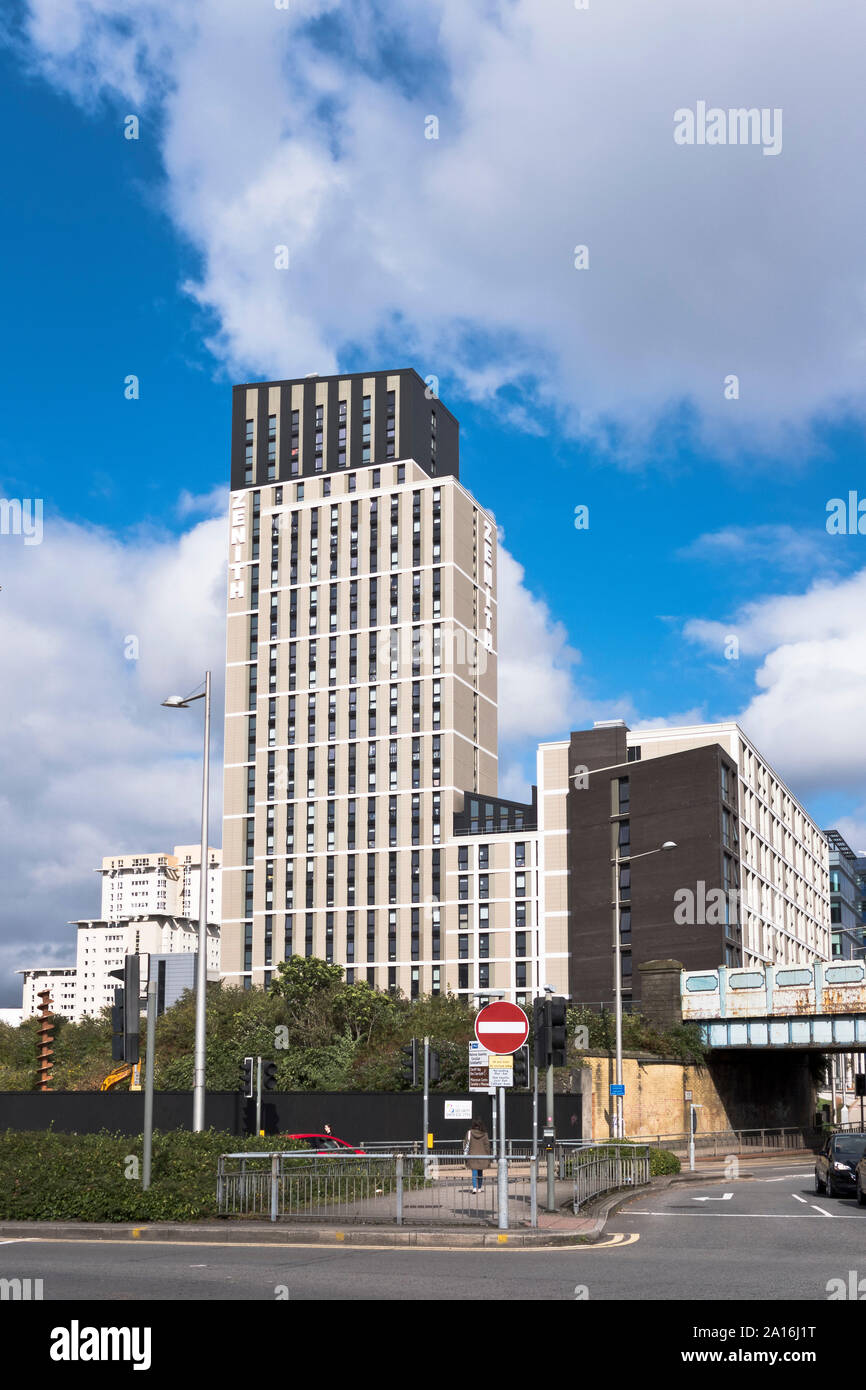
(745,1215)
(831,1214)
(619,1239)
(785,1178)
(799,1199)
(726,1197)
(19,1240)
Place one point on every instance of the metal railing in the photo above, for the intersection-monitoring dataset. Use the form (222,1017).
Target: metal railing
(383,1188)
(721,1142)
(607,1168)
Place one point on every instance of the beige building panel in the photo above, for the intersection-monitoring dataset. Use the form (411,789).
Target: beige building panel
(555,852)
(237,637)
(555,892)
(554,762)
(555,816)
(236,741)
(487,774)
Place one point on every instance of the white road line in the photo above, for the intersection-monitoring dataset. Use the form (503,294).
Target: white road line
(745,1215)
(799,1199)
(831,1214)
(19,1240)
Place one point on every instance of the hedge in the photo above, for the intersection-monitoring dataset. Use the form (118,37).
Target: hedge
(46,1176)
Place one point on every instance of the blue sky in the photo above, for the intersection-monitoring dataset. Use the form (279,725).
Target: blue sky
(601,387)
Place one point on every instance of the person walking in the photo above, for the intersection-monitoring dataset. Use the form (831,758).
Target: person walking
(477,1148)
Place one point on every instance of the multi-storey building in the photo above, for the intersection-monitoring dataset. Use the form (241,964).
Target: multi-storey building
(748,881)
(135,884)
(845,899)
(361,817)
(150,904)
(361,688)
(59,979)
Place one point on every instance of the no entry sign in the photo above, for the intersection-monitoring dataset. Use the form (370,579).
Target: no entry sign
(502,1027)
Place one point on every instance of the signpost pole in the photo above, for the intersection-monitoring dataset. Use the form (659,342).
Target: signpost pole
(502,1166)
(258,1096)
(148,1084)
(551,1153)
(495,1135)
(426,1104)
(535,1112)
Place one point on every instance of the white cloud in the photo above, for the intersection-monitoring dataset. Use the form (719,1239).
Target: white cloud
(784,547)
(807,712)
(556,129)
(93,763)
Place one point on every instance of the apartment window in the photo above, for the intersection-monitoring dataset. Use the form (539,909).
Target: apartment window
(463,887)
(483,856)
(624,795)
(520,853)
(463,947)
(463,857)
(624,838)
(520,943)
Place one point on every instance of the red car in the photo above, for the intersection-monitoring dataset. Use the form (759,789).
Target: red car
(324,1143)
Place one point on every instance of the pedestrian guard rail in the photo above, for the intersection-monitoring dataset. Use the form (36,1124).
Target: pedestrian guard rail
(600,1168)
(420,1190)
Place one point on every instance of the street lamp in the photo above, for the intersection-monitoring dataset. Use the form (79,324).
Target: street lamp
(618,861)
(198,1083)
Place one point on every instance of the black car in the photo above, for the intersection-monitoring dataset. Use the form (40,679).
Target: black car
(836,1164)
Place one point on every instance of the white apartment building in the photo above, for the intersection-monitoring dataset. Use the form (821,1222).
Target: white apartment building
(61,981)
(136,884)
(102,947)
(150,904)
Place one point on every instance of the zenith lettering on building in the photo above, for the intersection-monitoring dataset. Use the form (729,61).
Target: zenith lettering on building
(487,633)
(237,542)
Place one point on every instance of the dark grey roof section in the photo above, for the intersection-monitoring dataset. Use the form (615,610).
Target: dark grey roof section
(427,431)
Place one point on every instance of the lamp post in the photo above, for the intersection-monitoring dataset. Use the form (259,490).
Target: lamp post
(198,1074)
(618,861)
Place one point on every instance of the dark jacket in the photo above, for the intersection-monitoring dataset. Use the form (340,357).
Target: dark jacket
(478,1146)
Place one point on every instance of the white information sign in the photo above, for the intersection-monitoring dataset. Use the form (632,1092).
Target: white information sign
(501,1069)
(458,1110)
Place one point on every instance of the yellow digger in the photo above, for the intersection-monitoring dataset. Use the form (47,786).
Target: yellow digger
(126,1069)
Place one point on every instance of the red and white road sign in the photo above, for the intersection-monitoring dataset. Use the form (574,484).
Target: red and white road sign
(501,1027)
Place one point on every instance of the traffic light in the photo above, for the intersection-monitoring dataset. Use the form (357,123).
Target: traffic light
(435,1070)
(45,1039)
(546,1143)
(269,1076)
(247,1077)
(860,1083)
(550,1032)
(521,1067)
(558,1036)
(125,1012)
(409,1064)
(541,1017)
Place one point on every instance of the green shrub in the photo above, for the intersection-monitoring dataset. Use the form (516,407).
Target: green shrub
(662,1162)
(46,1176)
